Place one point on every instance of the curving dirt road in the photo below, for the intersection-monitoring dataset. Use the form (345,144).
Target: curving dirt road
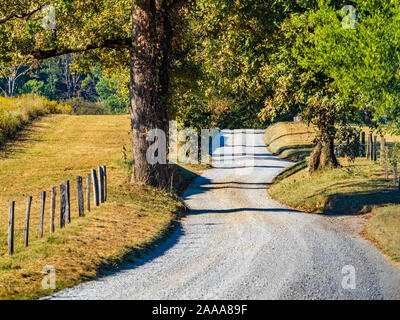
(236,243)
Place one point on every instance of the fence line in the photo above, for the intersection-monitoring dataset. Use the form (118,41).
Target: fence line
(369,150)
(99,183)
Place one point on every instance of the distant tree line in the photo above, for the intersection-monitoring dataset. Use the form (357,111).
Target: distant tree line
(59,79)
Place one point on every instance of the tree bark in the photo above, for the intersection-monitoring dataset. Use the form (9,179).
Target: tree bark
(148,101)
(313,162)
(323,155)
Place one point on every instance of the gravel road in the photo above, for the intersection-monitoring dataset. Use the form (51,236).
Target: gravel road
(237,243)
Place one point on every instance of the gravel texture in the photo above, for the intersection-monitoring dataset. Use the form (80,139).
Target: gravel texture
(237,243)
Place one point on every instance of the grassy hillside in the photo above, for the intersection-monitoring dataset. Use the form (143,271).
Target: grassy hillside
(50,151)
(290,140)
(354,188)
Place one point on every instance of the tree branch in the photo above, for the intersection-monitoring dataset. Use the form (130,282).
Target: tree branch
(23,14)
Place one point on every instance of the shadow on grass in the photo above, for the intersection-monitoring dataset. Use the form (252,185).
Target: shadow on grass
(296,152)
(367,194)
(17,142)
(290,171)
(359,202)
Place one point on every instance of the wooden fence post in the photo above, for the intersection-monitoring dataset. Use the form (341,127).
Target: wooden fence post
(53,208)
(375,149)
(63,204)
(369,146)
(28,214)
(395,173)
(11,228)
(371,149)
(88,179)
(95,188)
(363,146)
(101,183)
(382,150)
(42,207)
(105,182)
(68,206)
(79,186)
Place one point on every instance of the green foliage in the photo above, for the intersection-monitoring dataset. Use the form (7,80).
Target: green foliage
(361,64)
(223,55)
(32,87)
(108,90)
(236,63)
(392,155)
(57,79)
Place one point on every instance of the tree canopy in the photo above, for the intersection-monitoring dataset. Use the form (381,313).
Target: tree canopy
(224,63)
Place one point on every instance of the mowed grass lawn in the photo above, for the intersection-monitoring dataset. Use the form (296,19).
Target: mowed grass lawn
(355,188)
(52,150)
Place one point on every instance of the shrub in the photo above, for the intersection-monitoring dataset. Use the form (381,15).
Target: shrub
(81,106)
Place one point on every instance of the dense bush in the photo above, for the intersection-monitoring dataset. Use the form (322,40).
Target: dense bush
(81,106)
(17,112)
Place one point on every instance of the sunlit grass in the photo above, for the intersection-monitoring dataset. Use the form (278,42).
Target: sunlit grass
(384,230)
(16,112)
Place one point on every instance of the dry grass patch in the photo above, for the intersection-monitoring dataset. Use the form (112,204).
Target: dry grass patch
(384,229)
(52,150)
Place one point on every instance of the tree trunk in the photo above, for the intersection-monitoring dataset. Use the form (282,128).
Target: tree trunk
(323,155)
(147,105)
(315,158)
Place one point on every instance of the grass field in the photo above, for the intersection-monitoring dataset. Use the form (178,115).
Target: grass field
(50,151)
(354,188)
